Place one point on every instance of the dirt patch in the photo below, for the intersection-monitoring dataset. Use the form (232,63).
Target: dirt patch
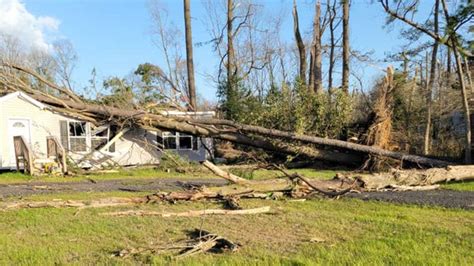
(132,185)
(442,197)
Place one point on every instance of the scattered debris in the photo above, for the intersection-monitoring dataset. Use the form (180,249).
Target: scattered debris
(200,241)
(99,203)
(189,213)
(226,175)
(317,240)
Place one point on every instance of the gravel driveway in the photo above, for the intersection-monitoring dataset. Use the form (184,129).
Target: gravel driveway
(442,197)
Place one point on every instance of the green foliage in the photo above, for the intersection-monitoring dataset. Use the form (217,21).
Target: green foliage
(236,101)
(151,77)
(290,108)
(121,92)
(171,160)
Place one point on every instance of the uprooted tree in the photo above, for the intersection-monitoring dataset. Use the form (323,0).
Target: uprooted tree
(18,78)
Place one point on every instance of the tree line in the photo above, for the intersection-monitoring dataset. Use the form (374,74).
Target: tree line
(308,85)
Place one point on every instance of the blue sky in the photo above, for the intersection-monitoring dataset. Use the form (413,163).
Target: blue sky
(113,36)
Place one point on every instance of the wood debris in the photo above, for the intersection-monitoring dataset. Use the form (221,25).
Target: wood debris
(189,213)
(200,241)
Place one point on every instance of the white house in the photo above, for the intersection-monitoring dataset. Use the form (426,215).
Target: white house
(86,144)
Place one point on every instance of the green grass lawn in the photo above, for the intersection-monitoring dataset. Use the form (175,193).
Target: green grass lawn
(144,173)
(138,173)
(353,232)
(463,185)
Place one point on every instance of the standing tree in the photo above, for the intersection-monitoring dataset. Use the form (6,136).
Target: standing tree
(189,55)
(431,82)
(315,72)
(300,44)
(333,24)
(66,58)
(345,45)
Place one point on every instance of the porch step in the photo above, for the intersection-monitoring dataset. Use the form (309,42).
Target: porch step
(44,160)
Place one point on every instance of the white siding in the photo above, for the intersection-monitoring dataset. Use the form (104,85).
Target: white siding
(43,123)
(137,146)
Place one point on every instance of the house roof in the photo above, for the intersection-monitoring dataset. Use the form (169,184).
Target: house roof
(24,97)
(42,106)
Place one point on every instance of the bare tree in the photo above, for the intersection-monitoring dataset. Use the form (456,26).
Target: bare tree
(65,57)
(189,55)
(300,44)
(431,82)
(315,71)
(167,39)
(333,24)
(345,45)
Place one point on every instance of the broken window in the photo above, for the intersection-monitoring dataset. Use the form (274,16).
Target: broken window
(99,137)
(77,136)
(177,141)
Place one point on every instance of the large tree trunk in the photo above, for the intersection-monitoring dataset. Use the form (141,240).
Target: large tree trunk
(465,104)
(332,45)
(333,143)
(345,45)
(189,55)
(315,75)
(431,84)
(195,127)
(231,71)
(300,44)
(416,177)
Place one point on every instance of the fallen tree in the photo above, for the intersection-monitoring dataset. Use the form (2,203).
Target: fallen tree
(411,178)
(66,101)
(293,186)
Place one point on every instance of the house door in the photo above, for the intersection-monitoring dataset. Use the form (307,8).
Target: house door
(17,127)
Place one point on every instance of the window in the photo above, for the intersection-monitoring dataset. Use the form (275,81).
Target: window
(77,136)
(185,142)
(99,137)
(177,141)
(84,137)
(169,140)
(18,125)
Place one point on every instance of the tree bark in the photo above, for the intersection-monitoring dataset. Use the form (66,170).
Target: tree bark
(333,143)
(468,73)
(230,47)
(332,45)
(465,104)
(416,177)
(431,83)
(299,44)
(189,55)
(226,175)
(315,75)
(345,46)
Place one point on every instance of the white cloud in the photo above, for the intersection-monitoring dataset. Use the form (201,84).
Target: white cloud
(28,29)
